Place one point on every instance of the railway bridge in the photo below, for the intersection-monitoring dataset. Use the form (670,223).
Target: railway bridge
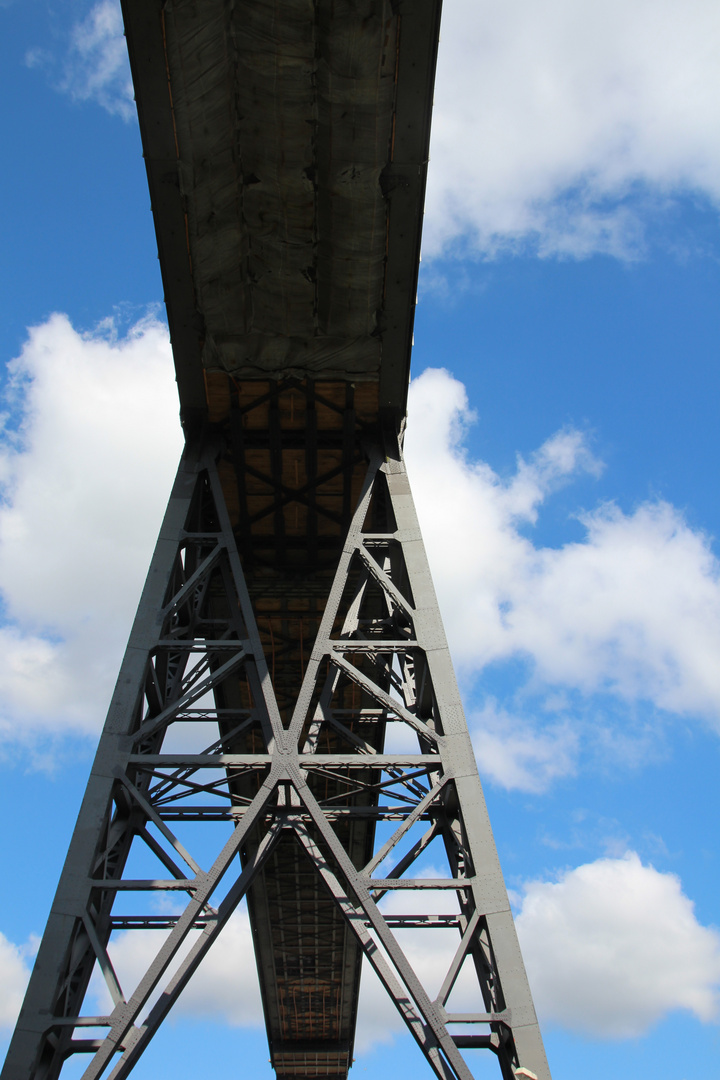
(286,727)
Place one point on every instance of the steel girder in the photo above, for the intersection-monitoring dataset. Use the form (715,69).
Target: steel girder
(194,737)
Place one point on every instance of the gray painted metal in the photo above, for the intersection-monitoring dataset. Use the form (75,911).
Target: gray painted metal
(168,756)
(286,147)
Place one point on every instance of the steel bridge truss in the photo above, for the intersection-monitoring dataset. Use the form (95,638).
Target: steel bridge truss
(194,736)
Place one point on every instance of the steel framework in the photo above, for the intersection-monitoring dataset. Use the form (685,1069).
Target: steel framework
(286,728)
(194,735)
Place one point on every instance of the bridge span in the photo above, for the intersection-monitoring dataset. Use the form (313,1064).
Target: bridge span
(288,624)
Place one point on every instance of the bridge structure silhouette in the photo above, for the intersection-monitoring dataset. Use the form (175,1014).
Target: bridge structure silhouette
(286,729)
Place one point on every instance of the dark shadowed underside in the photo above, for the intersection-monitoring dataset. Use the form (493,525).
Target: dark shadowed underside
(286,144)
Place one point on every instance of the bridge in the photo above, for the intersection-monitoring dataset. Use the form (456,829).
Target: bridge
(287,693)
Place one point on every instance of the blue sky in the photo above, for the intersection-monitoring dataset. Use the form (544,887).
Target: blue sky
(563,446)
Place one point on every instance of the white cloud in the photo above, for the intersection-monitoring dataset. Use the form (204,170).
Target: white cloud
(633,610)
(224,988)
(613,946)
(95,66)
(562,123)
(563,127)
(14,975)
(635,607)
(85,481)
(516,754)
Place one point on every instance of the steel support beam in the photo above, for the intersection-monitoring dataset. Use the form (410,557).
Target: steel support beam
(194,735)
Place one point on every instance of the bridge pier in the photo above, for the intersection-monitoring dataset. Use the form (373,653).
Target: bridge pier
(300,703)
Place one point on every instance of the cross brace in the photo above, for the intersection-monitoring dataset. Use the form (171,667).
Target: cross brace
(361,790)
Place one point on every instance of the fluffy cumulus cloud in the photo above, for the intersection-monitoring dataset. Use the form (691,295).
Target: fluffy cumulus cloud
(95,66)
(84,479)
(559,123)
(633,607)
(559,127)
(631,611)
(611,947)
(614,946)
(520,755)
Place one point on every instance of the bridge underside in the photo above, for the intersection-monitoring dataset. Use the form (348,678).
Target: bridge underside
(286,144)
(288,624)
(294,462)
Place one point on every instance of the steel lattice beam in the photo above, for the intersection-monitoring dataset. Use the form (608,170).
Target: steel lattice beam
(320,788)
